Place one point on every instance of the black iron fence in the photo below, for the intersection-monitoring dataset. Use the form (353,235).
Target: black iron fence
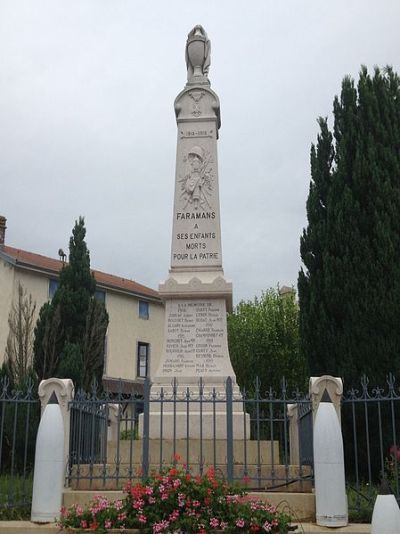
(371,434)
(261,439)
(19,421)
(243,436)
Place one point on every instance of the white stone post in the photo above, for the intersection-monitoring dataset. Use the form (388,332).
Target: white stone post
(293,416)
(113,424)
(64,390)
(334,386)
(329,474)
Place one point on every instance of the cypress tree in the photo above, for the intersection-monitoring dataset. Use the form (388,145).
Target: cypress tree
(73,317)
(349,290)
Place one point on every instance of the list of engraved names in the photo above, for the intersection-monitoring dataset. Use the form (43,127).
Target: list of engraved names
(195,338)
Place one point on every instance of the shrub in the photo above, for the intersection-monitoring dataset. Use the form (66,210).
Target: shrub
(173,501)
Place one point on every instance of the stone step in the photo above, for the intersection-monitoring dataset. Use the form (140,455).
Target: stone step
(104,477)
(265,452)
(26,527)
(300,505)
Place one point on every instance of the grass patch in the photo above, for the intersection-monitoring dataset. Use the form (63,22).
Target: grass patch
(361,502)
(15,497)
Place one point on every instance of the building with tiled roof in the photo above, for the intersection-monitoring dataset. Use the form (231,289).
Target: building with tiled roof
(136,313)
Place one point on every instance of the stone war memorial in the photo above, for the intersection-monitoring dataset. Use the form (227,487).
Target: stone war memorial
(196,293)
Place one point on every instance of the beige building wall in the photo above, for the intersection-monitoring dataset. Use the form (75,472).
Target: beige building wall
(34,283)
(126,329)
(6,296)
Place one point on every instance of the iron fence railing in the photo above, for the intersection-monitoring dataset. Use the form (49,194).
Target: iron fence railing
(19,421)
(371,434)
(244,436)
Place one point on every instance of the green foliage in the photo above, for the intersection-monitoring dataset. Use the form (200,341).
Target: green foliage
(349,289)
(15,497)
(71,362)
(129,434)
(263,337)
(70,332)
(361,502)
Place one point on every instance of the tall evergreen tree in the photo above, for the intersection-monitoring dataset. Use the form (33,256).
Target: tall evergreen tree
(73,317)
(349,291)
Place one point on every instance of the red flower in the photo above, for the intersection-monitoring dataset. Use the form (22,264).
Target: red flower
(137,491)
(188,477)
(210,473)
(94,526)
(173,472)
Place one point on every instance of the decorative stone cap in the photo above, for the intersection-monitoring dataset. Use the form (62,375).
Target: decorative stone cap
(197,288)
(332,385)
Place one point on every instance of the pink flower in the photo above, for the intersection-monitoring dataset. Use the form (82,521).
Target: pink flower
(160,527)
(395,452)
(84,524)
(224,525)
(107,523)
(142,518)
(173,516)
(64,512)
(139,503)
(267,526)
(152,500)
(240,523)
(214,522)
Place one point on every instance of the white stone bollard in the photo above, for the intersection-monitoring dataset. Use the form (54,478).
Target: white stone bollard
(48,477)
(330,487)
(386,515)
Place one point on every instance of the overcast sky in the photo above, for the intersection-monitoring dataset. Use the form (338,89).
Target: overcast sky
(87,125)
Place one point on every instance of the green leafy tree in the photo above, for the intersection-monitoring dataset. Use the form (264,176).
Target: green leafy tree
(263,338)
(70,332)
(349,288)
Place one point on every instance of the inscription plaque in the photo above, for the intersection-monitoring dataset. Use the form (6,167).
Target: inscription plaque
(195,338)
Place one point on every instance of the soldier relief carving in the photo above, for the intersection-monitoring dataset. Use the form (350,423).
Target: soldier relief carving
(197,184)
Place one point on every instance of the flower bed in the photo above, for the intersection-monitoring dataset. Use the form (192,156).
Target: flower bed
(174,502)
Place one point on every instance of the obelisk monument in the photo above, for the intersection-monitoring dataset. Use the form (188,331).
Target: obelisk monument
(196,293)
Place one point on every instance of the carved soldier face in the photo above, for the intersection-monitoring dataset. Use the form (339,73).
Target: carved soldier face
(195,162)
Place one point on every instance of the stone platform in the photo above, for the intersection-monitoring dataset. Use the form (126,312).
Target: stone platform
(254,466)
(26,527)
(208,450)
(301,505)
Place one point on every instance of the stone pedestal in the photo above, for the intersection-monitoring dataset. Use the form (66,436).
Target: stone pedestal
(196,293)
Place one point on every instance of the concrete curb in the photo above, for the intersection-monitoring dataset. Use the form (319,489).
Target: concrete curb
(26,527)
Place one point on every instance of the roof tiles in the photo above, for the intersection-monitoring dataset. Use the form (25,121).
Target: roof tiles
(51,265)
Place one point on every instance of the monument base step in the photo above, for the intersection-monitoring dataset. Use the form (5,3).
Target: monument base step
(278,478)
(300,505)
(26,527)
(207,451)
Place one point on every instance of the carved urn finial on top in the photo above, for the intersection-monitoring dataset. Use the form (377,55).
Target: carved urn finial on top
(198,48)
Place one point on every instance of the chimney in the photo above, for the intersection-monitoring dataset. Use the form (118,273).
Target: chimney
(3,227)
